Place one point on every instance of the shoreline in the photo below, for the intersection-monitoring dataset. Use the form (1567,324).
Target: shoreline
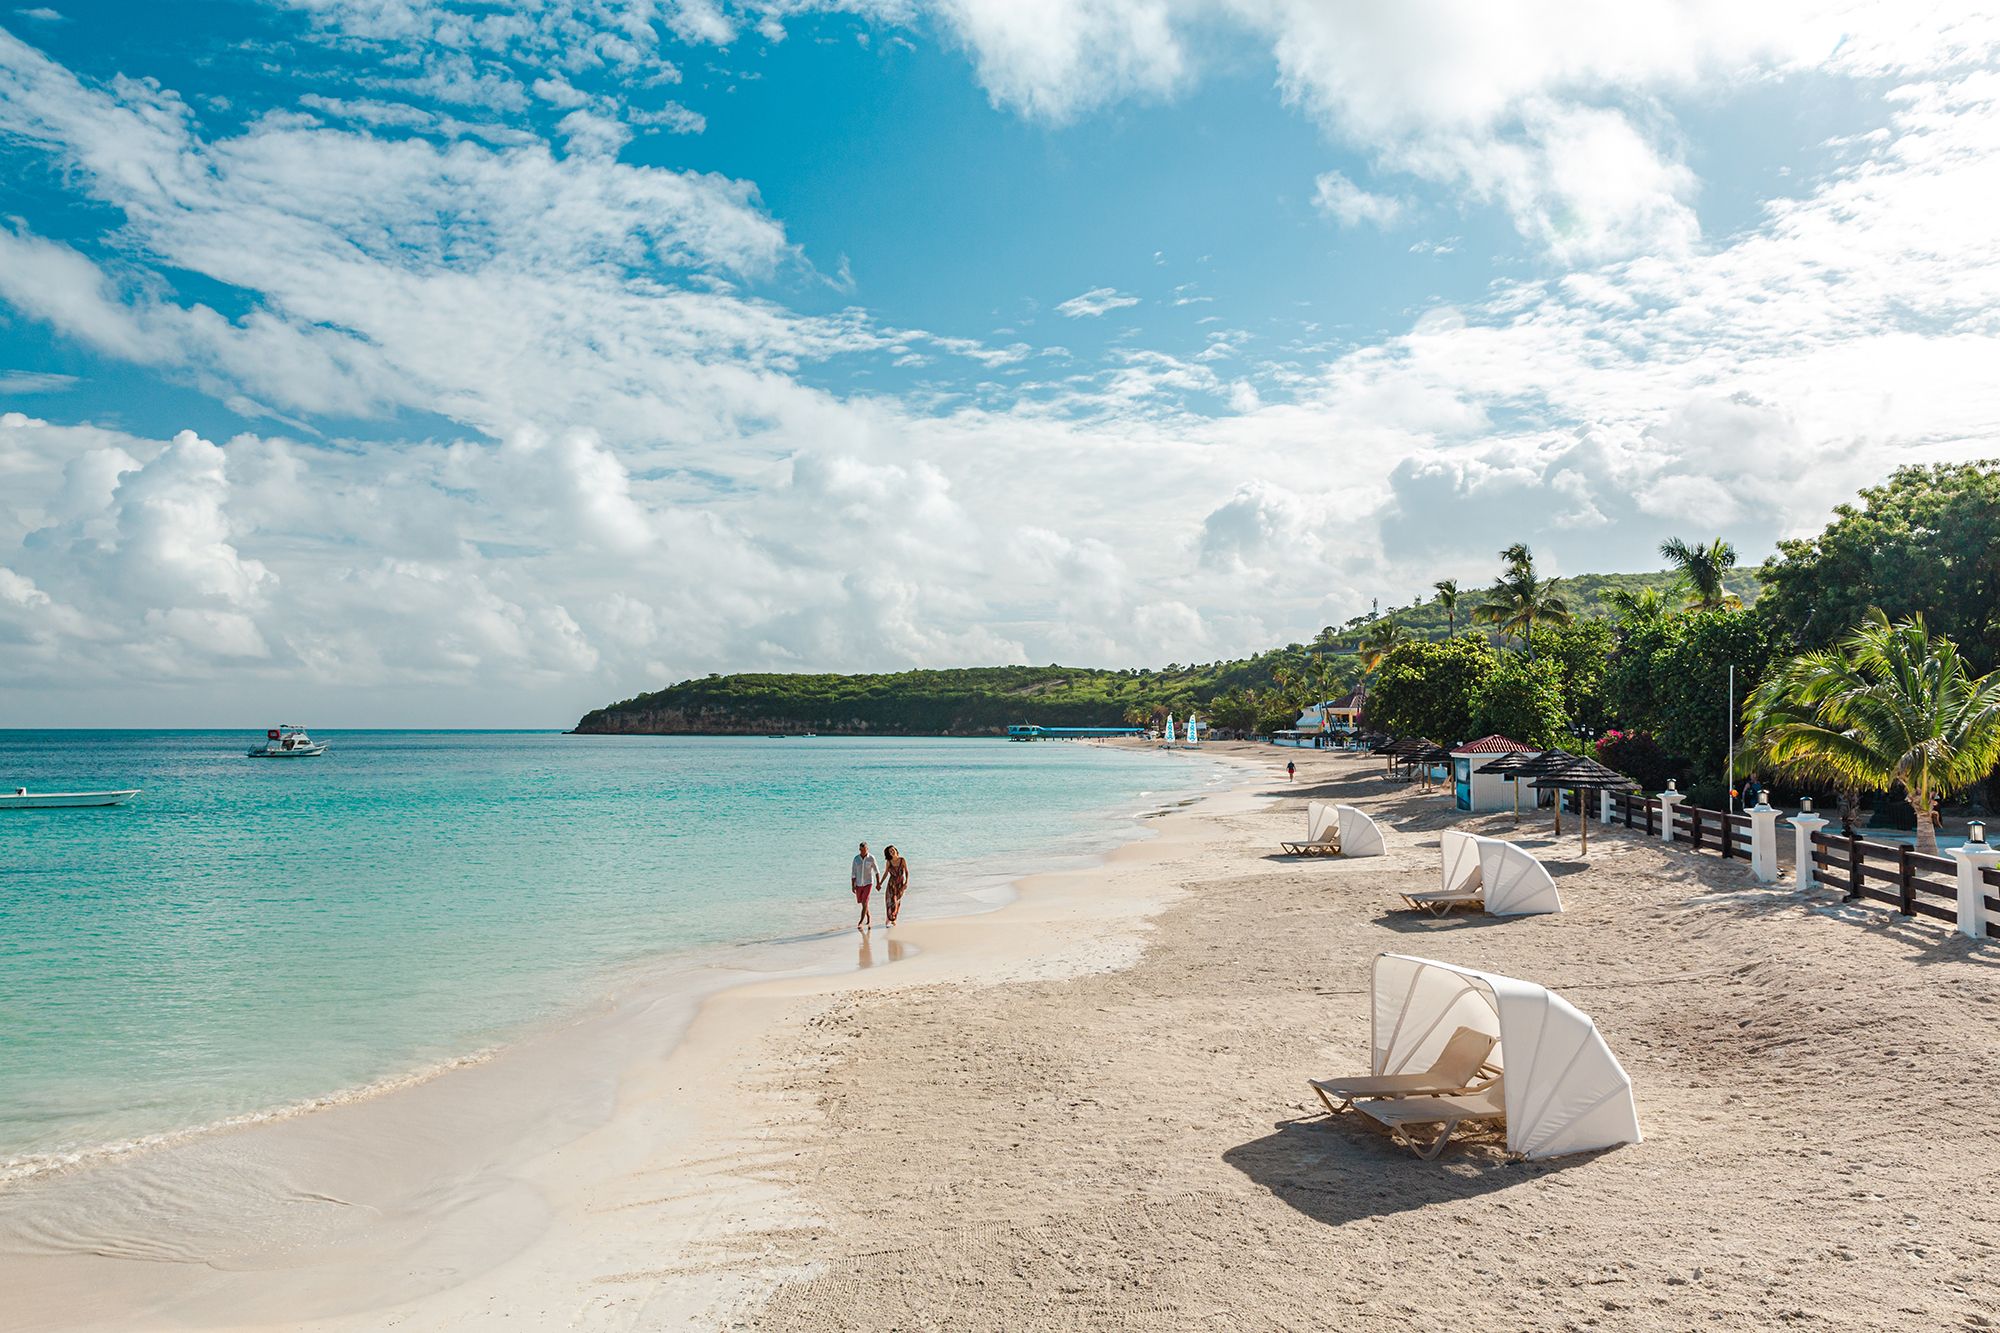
(969,886)
(65,1236)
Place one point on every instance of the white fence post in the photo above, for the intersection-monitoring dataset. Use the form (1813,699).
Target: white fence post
(1763,841)
(1668,799)
(1804,824)
(1974,859)
(1604,805)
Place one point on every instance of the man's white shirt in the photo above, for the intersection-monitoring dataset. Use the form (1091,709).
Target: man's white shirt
(865,872)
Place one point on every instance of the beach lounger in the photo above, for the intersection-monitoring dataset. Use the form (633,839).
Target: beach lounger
(1322,832)
(1459,1067)
(1439,901)
(1448,1113)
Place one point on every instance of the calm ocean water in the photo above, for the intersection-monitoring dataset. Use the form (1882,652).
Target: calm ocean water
(249,933)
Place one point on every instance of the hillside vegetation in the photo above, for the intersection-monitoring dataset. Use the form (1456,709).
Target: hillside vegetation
(1259,691)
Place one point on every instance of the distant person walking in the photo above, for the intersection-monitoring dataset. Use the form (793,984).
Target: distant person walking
(1291,771)
(895,879)
(1752,789)
(862,879)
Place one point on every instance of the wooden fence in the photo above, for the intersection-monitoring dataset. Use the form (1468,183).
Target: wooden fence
(1895,874)
(1717,831)
(1723,832)
(1889,872)
(1636,811)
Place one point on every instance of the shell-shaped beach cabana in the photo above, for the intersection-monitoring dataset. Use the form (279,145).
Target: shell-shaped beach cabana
(1510,880)
(1564,1090)
(1320,817)
(1360,835)
(1516,884)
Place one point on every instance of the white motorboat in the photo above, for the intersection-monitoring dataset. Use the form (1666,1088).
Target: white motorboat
(286,741)
(23,799)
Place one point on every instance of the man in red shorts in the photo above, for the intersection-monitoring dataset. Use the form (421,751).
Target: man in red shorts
(862,879)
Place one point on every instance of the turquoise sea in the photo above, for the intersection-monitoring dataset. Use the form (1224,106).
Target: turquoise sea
(249,934)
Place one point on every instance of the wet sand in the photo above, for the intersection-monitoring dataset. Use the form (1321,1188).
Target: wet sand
(1088,1111)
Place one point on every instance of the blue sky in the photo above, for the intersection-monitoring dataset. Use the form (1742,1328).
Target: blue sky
(429,360)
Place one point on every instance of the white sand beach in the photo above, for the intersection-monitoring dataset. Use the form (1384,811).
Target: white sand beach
(1088,1110)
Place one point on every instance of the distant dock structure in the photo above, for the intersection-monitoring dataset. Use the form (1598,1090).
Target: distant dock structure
(1027,731)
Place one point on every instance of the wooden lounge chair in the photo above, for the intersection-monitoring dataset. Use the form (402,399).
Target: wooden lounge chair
(1327,844)
(1448,1113)
(1440,901)
(1322,833)
(1460,1067)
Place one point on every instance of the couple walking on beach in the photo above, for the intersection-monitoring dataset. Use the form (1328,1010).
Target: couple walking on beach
(866,875)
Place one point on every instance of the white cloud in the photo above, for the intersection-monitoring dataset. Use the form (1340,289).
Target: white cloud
(1054,59)
(1341,199)
(628,478)
(1097,301)
(34,381)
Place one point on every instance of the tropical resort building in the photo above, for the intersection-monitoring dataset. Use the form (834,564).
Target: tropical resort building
(1327,723)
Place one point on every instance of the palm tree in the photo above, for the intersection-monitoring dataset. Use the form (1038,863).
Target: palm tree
(1645,606)
(1383,637)
(1888,704)
(1704,569)
(1447,591)
(1520,599)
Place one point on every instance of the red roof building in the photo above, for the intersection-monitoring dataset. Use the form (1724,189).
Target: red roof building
(1495,744)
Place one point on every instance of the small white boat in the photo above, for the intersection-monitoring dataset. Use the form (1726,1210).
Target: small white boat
(286,741)
(23,799)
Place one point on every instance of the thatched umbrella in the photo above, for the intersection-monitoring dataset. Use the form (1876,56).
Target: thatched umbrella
(1429,757)
(1398,751)
(1515,767)
(1579,774)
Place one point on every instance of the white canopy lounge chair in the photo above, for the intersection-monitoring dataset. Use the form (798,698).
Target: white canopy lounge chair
(1461,1067)
(1516,884)
(1492,873)
(1563,1091)
(1359,835)
(1462,879)
(1322,831)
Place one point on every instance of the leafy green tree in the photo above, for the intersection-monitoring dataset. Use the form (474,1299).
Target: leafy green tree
(1581,653)
(1671,678)
(1522,699)
(1233,710)
(1892,703)
(1447,598)
(1704,571)
(1925,543)
(1520,599)
(1425,688)
(1637,755)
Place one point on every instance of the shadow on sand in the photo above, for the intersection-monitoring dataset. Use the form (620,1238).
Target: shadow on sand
(1340,1169)
(1408,921)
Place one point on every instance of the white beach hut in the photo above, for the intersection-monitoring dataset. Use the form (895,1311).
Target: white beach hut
(1359,835)
(1515,883)
(1483,792)
(1563,1089)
